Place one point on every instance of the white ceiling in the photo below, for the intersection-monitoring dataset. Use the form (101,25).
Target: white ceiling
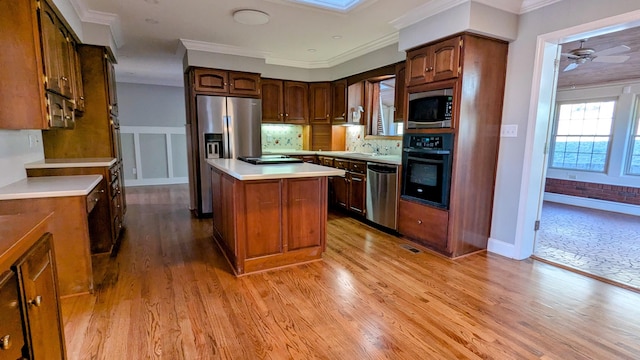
(148,32)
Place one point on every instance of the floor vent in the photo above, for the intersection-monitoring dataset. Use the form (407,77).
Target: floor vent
(410,248)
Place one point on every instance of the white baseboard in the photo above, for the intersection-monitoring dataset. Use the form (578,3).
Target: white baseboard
(161,181)
(501,248)
(593,203)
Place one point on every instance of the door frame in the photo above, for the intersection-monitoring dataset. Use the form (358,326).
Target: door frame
(539,119)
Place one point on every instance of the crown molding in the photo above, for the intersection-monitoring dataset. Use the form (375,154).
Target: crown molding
(530,5)
(221,49)
(101,18)
(424,11)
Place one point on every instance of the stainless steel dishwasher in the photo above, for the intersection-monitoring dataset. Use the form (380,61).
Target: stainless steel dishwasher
(382,194)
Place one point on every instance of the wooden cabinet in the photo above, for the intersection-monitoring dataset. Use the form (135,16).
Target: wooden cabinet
(356,103)
(78,87)
(285,102)
(400,101)
(320,103)
(265,224)
(339,101)
(307,158)
(357,193)
(424,224)
(30,318)
(475,69)
(224,82)
(436,62)
(349,191)
(38,58)
(341,191)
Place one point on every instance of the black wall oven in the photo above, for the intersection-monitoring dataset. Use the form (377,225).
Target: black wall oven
(426,163)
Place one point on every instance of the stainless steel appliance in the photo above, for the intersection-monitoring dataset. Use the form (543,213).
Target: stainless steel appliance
(430,109)
(382,194)
(228,127)
(426,163)
(269,159)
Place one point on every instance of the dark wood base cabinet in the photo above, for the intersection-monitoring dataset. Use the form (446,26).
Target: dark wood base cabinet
(424,224)
(266,224)
(30,317)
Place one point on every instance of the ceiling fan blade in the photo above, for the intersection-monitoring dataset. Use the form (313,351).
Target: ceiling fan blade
(611,59)
(613,50)
(570,67)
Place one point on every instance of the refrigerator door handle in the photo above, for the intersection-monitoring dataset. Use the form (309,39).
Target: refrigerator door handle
(228,137)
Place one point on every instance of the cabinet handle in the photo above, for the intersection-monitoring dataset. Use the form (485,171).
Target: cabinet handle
(429,69)
(419,221)
(67,117)
(37,301)
(286,114)
(64,78)
(5,342)
(81,97)
(327,116)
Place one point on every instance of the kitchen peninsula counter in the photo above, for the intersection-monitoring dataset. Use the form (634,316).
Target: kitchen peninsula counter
(269,216)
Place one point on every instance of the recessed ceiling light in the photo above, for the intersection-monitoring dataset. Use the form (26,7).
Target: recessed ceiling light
(151,21)
(336,37)
(155,2)
(311,50)
(250,17)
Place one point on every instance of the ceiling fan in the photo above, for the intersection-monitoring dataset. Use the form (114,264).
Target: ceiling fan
(583,54)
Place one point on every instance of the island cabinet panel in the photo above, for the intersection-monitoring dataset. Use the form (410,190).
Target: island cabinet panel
(267,224)
(305,198)
(263,211)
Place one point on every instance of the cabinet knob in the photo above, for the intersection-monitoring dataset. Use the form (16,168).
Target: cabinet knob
(64,78)
(5,342)
(419,221)
(327,116)
(286,114)
(37,301)
(81,97)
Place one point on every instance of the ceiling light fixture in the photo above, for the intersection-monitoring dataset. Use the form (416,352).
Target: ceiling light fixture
(311,50)
(151,21)
(336,37)
(250,17)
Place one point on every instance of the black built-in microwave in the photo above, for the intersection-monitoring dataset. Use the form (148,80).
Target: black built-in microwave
(430,109)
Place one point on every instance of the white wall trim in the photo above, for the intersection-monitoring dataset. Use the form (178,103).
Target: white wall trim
(167,131)
(597,204)
(502,248)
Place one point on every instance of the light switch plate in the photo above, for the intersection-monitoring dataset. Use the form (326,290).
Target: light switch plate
(509,131)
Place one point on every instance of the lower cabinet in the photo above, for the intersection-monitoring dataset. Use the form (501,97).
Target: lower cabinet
(266,224)
(30,318)
(424,224)
(349,192)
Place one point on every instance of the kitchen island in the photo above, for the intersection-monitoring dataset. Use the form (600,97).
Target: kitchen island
(269,216)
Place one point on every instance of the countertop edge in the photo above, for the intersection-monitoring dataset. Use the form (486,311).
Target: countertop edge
(52,193)
(285,175)
(71,164)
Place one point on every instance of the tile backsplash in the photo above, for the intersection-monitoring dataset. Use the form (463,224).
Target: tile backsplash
(356,142)
(282,137)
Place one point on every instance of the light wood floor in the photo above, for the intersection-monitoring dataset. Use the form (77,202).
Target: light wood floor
(170,295)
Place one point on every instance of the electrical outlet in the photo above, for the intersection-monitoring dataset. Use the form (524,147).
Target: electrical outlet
(509,131)
(33,141)
(134,171)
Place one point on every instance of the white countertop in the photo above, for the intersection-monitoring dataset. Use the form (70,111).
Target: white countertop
(245,171)
(70,163)
(385,159)
(50,186)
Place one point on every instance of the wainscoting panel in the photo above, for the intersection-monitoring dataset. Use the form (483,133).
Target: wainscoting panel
(154,155)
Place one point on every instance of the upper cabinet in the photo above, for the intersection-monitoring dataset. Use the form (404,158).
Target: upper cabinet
(223,82)
(435,62)
(38,59)
(339,101)
(285,102)
(400,92)
(320,103)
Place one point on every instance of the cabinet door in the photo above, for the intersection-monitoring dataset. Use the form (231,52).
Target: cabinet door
(111,86)
(40,301)
(305,204)
(50,47)
(241,83)
(272,102)
(211,81)
(263,211)
(400,92)
(446,59)
(76,81)
(339,102)
(320,103)
(341,191)
(357,193)
(418,66)
(356,103)
(296,102)
(11,328)
(65,77)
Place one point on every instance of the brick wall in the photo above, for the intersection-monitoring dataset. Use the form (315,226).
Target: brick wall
(622,194)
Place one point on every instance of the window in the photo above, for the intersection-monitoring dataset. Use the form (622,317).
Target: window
(634,154)
(582,136)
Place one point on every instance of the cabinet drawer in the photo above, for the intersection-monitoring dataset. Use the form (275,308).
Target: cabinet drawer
(94,197)
(10,320)
(358,166)
(423,224)
(341,164)
(326,161)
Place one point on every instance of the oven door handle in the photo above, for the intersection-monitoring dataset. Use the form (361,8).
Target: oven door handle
(422,151)
(423,160)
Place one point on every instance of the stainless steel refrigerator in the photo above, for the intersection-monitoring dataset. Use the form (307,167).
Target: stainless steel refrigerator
(228,127)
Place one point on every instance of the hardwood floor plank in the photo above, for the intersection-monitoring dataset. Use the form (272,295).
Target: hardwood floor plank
(170,294)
